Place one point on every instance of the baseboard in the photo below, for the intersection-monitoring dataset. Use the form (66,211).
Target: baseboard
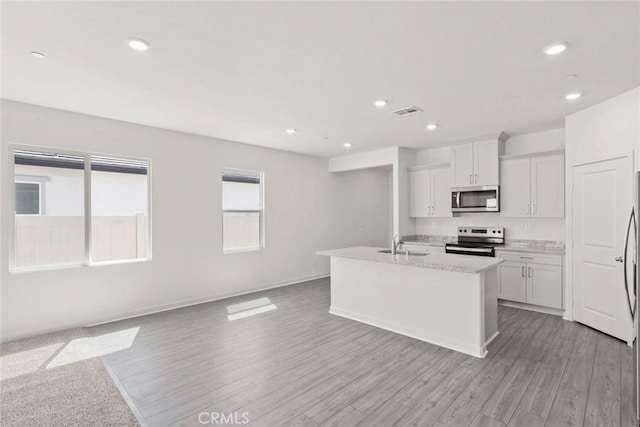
(399,329)
(158,308)
(537,308)
(197,301)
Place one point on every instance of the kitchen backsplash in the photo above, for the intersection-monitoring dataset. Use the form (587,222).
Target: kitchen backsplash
(515,228)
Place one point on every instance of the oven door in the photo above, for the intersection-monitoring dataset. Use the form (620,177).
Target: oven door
(476,199)
(454,248)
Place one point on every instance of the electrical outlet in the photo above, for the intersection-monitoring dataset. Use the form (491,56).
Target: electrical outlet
(527,226)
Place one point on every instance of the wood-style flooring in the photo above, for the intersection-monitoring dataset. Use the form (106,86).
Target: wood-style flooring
(282,359)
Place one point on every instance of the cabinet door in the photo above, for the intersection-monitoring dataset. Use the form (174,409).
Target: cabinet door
(441,192)
(547,186)
(513,281)
(462,165)
(544,285)
(486,165)
(515,188)
(420,193)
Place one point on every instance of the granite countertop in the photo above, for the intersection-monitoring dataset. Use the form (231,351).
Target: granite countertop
(549,247)
(435,261)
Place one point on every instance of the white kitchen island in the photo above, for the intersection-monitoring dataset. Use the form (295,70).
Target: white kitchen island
(445,299)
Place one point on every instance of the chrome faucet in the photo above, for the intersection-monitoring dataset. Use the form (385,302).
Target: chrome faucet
(397,241)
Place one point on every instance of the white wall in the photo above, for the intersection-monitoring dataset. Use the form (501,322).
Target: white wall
(398,159)
(307,209)
(608,129)
(515,228)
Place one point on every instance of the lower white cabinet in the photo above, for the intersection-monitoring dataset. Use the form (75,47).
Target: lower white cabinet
(513,281)
(532,279)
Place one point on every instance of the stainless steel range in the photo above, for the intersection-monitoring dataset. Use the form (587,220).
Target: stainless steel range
(478,241)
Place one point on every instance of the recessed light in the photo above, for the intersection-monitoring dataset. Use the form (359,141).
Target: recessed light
(573,96)
(38,55)
(347,145)
(291,131)
(380,103)
(570,77)
(432,126)
(138,44)
(555,49)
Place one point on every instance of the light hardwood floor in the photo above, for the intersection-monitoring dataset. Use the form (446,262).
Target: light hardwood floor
(297,365)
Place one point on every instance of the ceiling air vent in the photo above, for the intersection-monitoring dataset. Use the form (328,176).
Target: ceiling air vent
(408,111)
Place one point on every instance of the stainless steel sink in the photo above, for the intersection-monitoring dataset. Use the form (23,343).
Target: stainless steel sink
(403,253)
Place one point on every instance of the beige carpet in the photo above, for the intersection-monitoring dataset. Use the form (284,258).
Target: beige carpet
(57,380)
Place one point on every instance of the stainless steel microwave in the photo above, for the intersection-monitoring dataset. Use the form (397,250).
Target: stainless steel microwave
(476,199)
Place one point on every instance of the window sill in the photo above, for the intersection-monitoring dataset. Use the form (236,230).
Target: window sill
(73,266)
(242,250)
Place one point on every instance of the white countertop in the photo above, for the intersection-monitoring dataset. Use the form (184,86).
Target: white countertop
(437,261)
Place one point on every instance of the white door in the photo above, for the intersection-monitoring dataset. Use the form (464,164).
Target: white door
(602,198)
(462,165)
(441,192)
(515,195)
(420,194)
(486,163)
(547,186)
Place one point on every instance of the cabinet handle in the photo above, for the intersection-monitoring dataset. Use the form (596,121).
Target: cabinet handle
(530,272)
(471,178)
(476,178)
(526,209)
(533,209)
(523,271)
(432,209)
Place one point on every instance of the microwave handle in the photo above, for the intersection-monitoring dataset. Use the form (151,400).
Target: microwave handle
(458,199)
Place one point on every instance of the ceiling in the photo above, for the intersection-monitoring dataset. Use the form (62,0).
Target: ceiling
(247,71)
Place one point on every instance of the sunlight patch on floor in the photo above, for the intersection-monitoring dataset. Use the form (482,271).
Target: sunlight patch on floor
(89,347)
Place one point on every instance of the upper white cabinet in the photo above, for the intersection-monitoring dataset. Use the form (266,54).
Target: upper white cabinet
(532,186)
(430,192)
(477,163)
(462,165)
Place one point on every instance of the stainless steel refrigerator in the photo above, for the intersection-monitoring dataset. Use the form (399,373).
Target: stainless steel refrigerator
(631,280)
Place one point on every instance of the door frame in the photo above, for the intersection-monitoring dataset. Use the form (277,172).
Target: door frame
(568,291)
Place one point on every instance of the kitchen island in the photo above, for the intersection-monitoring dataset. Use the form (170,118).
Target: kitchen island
(448,300)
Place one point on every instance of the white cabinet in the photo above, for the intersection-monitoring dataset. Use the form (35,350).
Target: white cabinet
(532,186)
(486,163)
(429,193)
(544,285)
(476,163)
(547,186)
(462,165)
(420,193)
(531,278)
(513,281)
(515,188)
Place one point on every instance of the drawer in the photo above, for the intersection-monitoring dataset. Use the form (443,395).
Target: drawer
(530,257)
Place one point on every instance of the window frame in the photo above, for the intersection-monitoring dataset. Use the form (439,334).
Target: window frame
(260,212)
(86,155)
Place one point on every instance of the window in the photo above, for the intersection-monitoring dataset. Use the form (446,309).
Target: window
(110,225)
(243,211)
(28,198)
